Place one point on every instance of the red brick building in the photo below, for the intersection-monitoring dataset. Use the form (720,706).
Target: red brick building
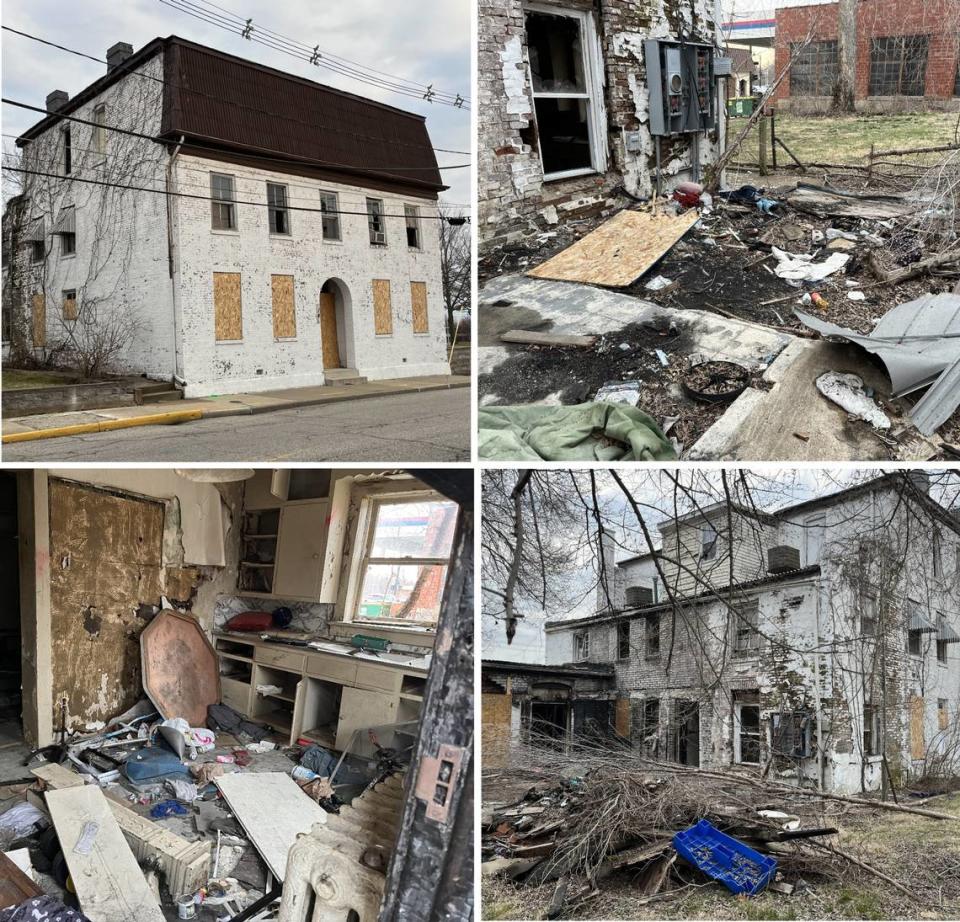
(907,55)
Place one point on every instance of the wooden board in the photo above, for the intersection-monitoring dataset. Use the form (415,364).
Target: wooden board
(284,311)
(418,302)
(227,307)
(108,881)
(272,810)
(70,308)
(39,320)
(531,338)
(918,746)
(329,341)
(15,886)
(382,310)
(619,251)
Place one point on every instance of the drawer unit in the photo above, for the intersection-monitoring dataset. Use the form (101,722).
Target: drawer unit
(338,669)
(284,659)
(235,694)
(378,678)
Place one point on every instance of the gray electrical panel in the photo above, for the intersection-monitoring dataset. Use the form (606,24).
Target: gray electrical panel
(681,84)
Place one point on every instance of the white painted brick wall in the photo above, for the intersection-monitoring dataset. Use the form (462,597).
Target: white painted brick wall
(260,362)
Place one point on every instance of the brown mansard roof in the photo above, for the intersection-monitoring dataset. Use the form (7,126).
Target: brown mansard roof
(243,111)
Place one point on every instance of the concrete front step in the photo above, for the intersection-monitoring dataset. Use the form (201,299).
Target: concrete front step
(343,376)
(167,396)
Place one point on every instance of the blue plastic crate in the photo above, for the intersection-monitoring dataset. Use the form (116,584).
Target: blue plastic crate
(740,868)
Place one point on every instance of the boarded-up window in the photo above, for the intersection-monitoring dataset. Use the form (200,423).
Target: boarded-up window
(284,312)
(70,304)
(39,320)
(382,311)
(418,298)
(227,313)
(918,746)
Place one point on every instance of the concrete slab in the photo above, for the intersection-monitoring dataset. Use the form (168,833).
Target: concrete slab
(56,420)
(764,425)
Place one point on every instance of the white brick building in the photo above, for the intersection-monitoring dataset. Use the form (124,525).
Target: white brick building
(300,244)
(840,631)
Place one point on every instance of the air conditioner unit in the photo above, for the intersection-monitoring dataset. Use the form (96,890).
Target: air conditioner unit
(639,595)
(380,237)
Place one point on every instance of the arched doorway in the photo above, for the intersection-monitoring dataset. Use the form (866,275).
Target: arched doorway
(336,325)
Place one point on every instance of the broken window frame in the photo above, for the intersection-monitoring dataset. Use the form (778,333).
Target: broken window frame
(746,627)
(411,218)
(709,539)
(223,209)
(793,728)
(376,224)
(592,92)
(739,734)
(67,150)
(870,741)
(815,68)
(868,616)
(936,550)
(943,648)
(278,209)
(814,536)
(623,639)
(366,536)
(330,216)
(581,646)
(892,58)
(651,635)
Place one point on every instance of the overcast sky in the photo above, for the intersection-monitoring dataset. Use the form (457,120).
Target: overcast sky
(427,41)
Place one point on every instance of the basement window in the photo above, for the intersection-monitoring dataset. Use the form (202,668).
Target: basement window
(898,65)
(623,640)
(407,547)
(814,71)
(871,730)
(330,217)
(378,230)
(223,214)
(581,646)
(561,46)
(746,627)
(277,209)
(652,636)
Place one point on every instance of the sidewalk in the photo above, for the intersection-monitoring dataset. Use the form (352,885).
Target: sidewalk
(55,425)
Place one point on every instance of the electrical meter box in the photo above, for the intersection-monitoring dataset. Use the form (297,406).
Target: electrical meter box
(681,84)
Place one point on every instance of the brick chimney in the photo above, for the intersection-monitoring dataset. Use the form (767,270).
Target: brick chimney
(57,100)
(117,54)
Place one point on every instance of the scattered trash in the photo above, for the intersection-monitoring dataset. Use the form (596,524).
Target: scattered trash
(626,392)
(187,907)
(766,205)
(266,690)
(846,390)
(658,283)
(856,295)
(88,835)
(184,791)
(715,382)
(167,808)
(802,268)
(205,772)
(662,357)
(261,746)
(22,819)
(739,868)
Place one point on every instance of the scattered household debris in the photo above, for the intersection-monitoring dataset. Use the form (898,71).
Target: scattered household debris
(716,382)
(620,250)
(532,338)
(802,268)
(836,203)
(847,391)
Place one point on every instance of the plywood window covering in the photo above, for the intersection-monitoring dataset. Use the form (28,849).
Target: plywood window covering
(70,304)
(284,309)
(918,746)
(418,300)
(382,310)
(39,320)
(227,311)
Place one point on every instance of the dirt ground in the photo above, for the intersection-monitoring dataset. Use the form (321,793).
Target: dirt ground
(923,854)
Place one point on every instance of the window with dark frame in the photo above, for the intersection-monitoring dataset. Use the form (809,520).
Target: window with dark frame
(937,555)
(411,215)
(38,251)
(747,627)
(623,640)
(942,645)
(330,217)
(871,730)
(67,151)
(378,230)
(748,732)
(581,646)
(650,728)
(652,636)
(815,68)
(868,617)
(223,215)
(914,643)
(708,542)
(898,65)
(68,244)
(100,130)
(277,209)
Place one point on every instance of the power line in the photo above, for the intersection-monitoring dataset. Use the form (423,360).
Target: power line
(270,39)
(195,92)
(208,198)
(290,159)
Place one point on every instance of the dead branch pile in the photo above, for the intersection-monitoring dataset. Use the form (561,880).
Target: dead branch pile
(595,810)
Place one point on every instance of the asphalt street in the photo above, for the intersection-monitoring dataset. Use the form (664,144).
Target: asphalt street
(430,426)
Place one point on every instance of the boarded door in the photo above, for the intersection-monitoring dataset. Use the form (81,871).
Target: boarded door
(918,746)
(39,320)
(622,718)
(382,310)
(418,299)
(227,311)
(284,311)
(107,553)
(70,307)
(328,330)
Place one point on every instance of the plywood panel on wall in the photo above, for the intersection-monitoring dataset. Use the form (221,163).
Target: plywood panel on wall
(284,311)
(106,557)
(39,320)
(382,309)
(495,711)
(70,308)
(418,300)
(918,746)
(227,308)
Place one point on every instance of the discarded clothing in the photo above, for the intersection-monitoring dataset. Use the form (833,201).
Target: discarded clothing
(205,772)
(847,392)
(585,432)
(42,909)
(167,808)
(224,717)
(802,268)
(319,761)
(21,819)
(185,791)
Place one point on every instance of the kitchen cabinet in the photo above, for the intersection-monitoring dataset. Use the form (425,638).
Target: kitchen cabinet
(359,709)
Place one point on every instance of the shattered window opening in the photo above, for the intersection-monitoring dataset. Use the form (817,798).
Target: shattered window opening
(747,627)
(868,617)
(623,640)
(653,636)
(814,71)
(748,733)
(708,542)
(898,65)
(871,730)
(581,646)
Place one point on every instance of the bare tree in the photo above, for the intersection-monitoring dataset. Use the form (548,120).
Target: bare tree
(455,265)
(843,91)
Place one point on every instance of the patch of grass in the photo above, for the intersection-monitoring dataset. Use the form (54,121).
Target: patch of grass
(499,911)
(17,379)
(860,904)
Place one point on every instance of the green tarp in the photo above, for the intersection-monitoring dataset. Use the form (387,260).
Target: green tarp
(585,432)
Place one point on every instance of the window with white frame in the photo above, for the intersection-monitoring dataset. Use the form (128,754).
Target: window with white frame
(330,217)
(223,211)
(412,215)
(746,626)
(581,646)
(100,128)
(937,550)
(277,209)
(407,543)
(378,229)
(708,542)
(562,49)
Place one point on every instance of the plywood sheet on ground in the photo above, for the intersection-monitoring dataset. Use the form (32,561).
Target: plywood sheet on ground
(273,811)
(619,251)
(108,881)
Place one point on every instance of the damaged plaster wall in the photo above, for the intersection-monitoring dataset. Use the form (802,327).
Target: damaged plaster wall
(514,200)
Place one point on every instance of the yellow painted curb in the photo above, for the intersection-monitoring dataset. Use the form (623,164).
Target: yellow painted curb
(156,419)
